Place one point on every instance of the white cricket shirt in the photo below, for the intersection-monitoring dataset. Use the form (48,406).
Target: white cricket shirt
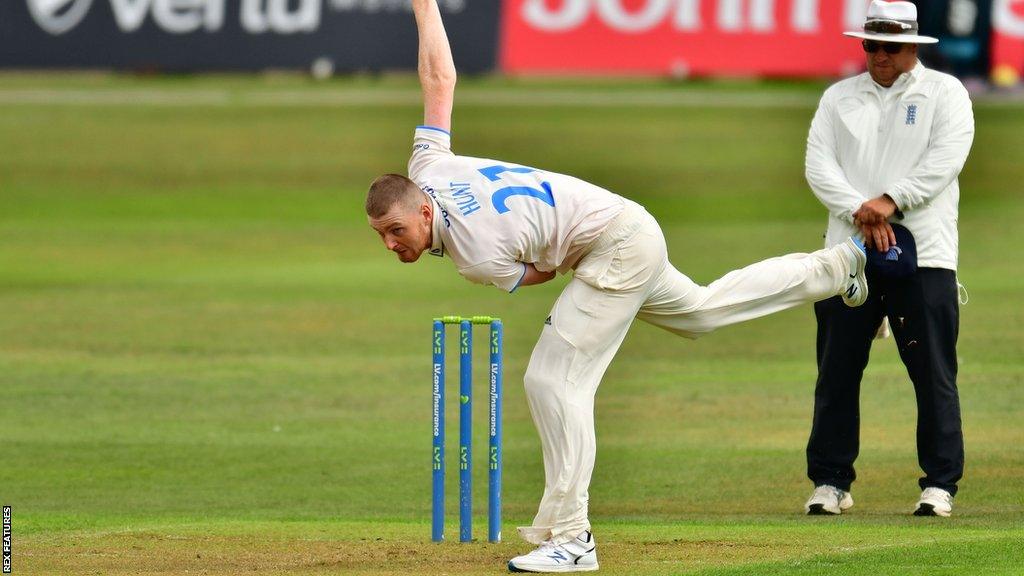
(495,217)
(909,141)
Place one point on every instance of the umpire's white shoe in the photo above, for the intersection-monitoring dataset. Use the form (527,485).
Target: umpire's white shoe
(828,500)
(856,291)
(934,502)
(576,555)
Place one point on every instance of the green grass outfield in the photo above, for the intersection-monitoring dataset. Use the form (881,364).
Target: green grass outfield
(208,364)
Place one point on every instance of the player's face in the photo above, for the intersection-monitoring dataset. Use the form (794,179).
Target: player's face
(885,68)
(405,232)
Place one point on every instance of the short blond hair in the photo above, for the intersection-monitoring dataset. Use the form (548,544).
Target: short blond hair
(391,189)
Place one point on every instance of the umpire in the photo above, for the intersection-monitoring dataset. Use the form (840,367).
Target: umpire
(883,155)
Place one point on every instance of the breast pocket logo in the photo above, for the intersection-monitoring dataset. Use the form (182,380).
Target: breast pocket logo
(58,16)
(912,115)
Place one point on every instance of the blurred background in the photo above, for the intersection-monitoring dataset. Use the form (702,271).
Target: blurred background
(980,39)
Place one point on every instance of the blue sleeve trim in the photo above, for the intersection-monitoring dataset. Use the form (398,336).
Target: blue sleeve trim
(514,288)
(442,130)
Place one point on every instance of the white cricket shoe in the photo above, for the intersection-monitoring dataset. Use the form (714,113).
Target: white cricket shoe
(856,291)
(828,500)
(934,502)
(576,555)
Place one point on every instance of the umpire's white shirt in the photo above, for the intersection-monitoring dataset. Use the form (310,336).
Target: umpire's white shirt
(909,141)
(495,217)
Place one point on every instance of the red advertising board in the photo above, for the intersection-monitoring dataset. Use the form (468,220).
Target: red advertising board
(1008,41)
(677,37)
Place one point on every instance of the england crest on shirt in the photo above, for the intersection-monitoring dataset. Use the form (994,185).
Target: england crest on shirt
(912,115)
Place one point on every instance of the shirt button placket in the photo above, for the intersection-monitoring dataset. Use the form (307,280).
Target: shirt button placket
(882,114)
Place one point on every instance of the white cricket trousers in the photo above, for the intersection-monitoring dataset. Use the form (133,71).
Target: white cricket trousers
(625,275)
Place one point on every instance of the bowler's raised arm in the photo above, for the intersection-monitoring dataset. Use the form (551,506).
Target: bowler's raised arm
(436,66)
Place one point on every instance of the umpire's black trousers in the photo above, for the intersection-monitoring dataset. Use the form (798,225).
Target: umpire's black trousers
(923,311)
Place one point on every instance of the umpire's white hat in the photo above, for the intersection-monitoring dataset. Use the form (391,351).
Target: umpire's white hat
(892,22)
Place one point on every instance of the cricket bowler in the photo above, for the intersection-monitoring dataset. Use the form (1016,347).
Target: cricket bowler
(508,225)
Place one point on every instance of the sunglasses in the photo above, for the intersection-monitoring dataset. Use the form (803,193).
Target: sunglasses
(870,46)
